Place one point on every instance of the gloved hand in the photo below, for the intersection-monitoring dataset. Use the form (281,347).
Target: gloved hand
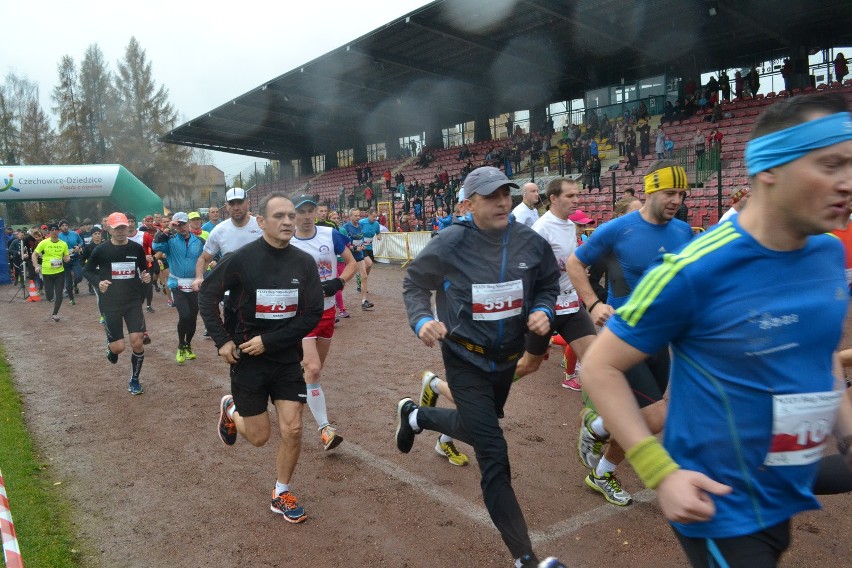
(331,287)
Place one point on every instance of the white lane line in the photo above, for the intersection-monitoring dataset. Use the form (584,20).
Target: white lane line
(479,514)
(571,524)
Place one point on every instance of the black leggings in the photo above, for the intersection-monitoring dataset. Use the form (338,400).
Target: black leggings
(187,308)
(53,284)
(757,550)
(149,292)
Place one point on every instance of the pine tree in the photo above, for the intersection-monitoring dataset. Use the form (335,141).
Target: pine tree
(69,140)
(37,139)
(15,94)
(97,99)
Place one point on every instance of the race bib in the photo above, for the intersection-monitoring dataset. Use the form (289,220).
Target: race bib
(368,241)
(123,270)
(567,303)
(357,242)
(276,304)
(492,302)
(800,425)
(56,263)
(185,284)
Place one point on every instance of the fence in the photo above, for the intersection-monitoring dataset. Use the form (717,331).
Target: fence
(396,247)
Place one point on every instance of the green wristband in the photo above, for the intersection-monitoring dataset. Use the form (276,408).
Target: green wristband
(651,462)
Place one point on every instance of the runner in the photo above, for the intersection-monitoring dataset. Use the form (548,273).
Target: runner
(118,269)
(182,249)
(352,229)
(48,259)
(324,219)
(754,311)
(630,244)
(526,211)
(370,227)
(212,220)
(73,268)
(489,300)
(280,300)
(323,244)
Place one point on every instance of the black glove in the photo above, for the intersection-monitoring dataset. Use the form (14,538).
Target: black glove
(331,287)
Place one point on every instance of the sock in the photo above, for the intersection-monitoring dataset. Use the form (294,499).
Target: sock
(604,466)
(412,420)
(598,427)
(434,383)
(445,439)
(136,361)
(231,410)
(281,487)
(316,402)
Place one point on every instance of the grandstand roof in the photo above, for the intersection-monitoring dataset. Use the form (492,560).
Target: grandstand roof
(447,61)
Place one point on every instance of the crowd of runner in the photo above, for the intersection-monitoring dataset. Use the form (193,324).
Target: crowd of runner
(725,342)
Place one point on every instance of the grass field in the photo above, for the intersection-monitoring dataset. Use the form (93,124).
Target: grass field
(39,510)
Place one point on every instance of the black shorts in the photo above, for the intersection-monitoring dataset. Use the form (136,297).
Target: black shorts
(757,550)
(369,253)
(649,379)
(256,380)
(570,326)
(114,321)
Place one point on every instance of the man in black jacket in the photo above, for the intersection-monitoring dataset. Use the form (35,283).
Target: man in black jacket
(494,280)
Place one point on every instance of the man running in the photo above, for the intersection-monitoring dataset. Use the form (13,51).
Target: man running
(323,244)
(754,311)
(324,220)
(73,269)
(49,259)
(118,268)
(630,244)
(279,300)
(182,248)
(489,300)
(352,229)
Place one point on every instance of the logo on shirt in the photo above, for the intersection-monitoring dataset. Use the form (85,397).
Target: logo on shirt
(661,249)
(768,321)
(323,248)
(294,281)
(522,265)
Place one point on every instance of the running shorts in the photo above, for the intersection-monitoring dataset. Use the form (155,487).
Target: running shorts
(569,326)
(114,321)
(325,328)
(257,380)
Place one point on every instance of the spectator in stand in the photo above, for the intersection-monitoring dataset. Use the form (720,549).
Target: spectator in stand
(668,115)
(404,224)
(712,86)
(630,140)
(714,139)
(399,179)
(632,160)
(587,174)
(725,86)
(644,131)
(669,147)
(418,207)
(787,74)
(753,81)
(596,172)
(368,196)
(368,174)
(359,175)
(660,143)
(738,85)
(840,67)
(387,177)
(698,144)
(643,114)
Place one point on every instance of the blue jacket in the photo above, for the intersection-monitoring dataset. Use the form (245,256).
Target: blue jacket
(182,254)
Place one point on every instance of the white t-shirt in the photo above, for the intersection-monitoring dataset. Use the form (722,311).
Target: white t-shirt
(728,214)
(525,215)
(226,238)
(138,237)
(562,237)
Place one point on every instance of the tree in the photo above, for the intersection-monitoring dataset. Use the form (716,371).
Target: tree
(142,115)
(37,139)
(97,99)
(69,140)
(15,95)
(8,134)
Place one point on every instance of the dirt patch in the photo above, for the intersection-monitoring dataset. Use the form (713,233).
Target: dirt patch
(152,485)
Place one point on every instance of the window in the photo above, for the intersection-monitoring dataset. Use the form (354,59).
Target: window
(376,152)
(318,163)
(345,157)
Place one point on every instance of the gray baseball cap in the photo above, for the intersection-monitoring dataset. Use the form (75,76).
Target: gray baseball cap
(485,181)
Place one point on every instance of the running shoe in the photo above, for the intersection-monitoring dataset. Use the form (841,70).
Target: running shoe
(571,382)
(357,282)
(111,357)
(609,486)
(428,396)
(146,339)
(551,562)
(528,561)
(330,438)
(227,426)
(187,351)
(73,303)
(55,317)
(404,432)
(344,314)
(101,319)
(134,387)
(76,290)
(180,357)
(170,304)
(449,451)
(286,504)
(366,305)
(149,309)
(589,444)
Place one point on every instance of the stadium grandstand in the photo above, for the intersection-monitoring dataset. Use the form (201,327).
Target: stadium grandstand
(516,83)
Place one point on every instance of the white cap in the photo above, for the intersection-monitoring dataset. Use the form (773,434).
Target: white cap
(235,193)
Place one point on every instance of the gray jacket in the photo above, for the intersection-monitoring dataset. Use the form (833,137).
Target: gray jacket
(462,256)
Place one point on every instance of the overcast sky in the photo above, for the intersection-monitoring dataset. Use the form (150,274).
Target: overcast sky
(204,53)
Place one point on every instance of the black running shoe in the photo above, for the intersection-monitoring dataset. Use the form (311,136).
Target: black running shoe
(404,432)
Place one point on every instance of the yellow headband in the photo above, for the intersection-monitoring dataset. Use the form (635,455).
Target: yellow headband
(666,178)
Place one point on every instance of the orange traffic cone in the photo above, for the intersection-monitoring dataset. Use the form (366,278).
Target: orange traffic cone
(34,297)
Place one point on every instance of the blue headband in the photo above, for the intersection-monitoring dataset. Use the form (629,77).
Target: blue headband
(784,146)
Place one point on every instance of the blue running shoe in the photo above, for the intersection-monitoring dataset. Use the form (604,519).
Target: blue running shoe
(134,387)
